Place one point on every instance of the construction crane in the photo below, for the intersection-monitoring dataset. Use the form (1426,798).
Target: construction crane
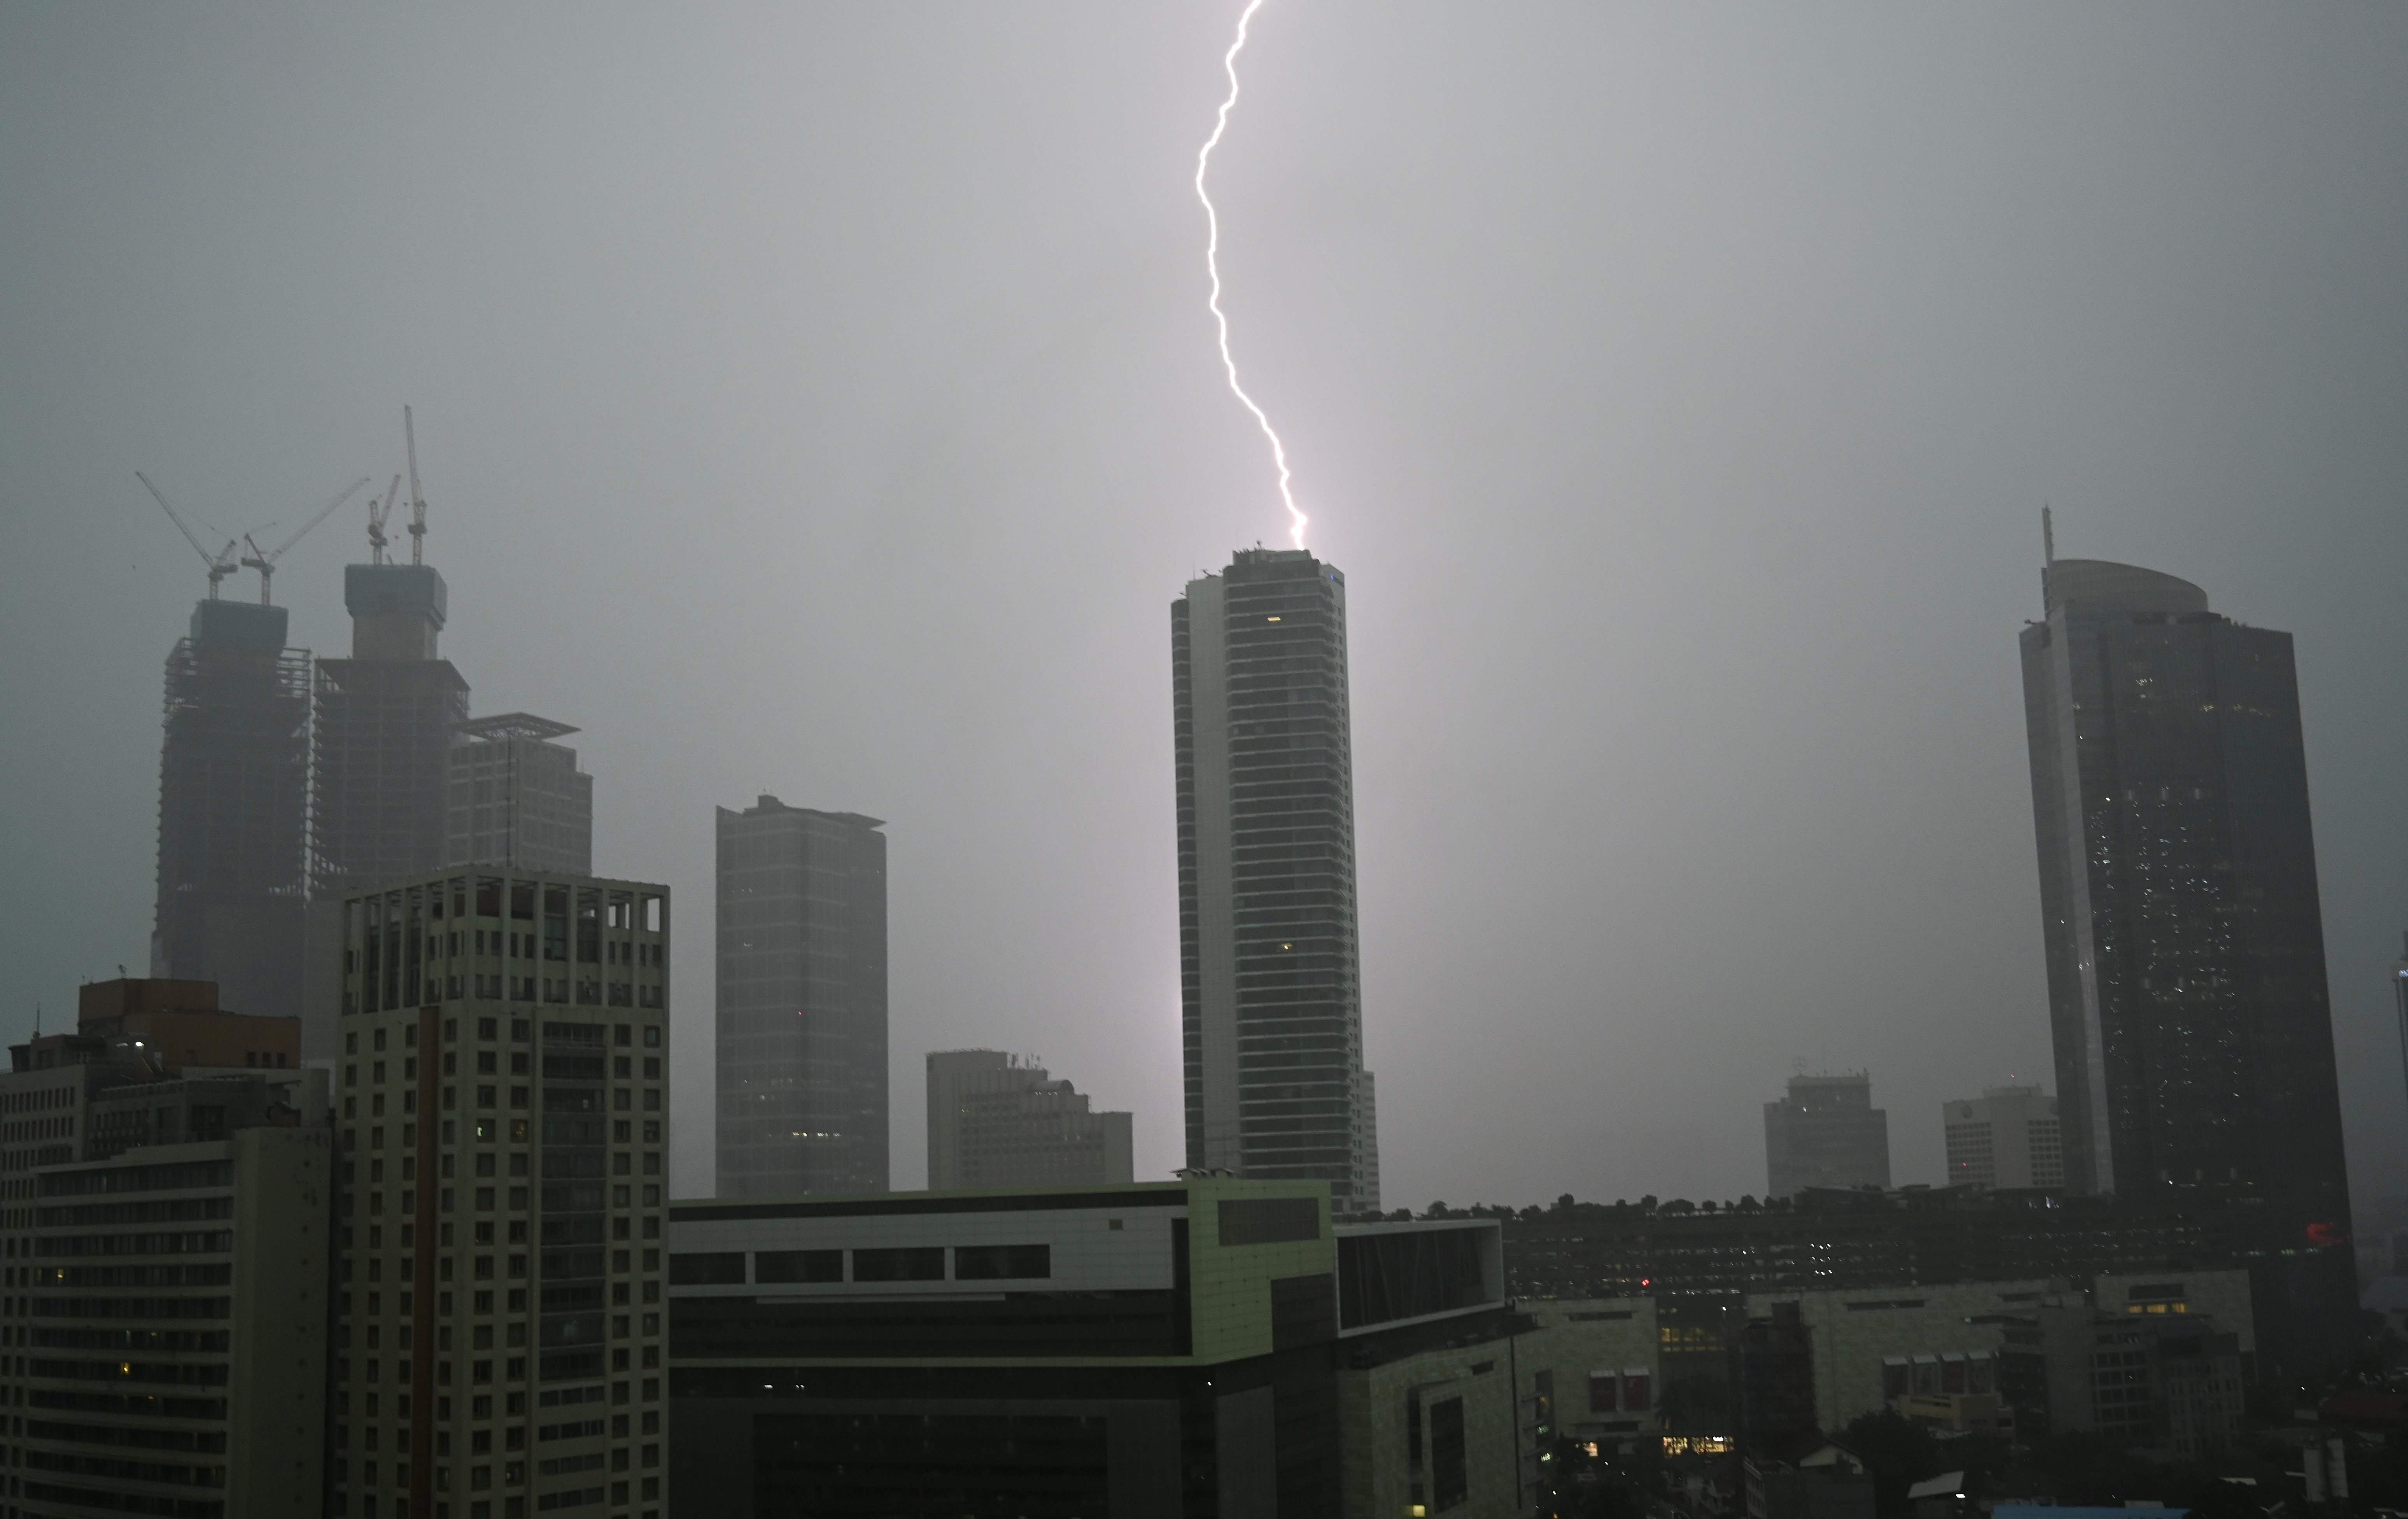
(221,564)
(265,562)
(378,512)
(417,499)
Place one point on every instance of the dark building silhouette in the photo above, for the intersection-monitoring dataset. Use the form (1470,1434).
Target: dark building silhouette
(2178,886)
(234,809)
(2185,939)
(1826,1133)
(1269,977)
(802,1002)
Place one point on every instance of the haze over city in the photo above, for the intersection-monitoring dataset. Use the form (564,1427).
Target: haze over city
(824,403)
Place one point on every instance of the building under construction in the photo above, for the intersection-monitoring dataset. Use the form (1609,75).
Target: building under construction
(233,791)
(518,799)
(380,792)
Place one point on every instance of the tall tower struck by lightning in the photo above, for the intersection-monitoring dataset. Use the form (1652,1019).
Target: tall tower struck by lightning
(1270,987)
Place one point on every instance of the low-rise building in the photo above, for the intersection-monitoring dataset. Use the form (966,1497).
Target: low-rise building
(1210,1345)
(2169,1383)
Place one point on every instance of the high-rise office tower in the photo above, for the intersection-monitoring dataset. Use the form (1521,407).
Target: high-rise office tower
(2178,893)
(802,1002)
(2009,1138)
(1269,979)
(1826,1133)
(996,1121)
(234,809)
(518,798)
(380,804)
(501,1133)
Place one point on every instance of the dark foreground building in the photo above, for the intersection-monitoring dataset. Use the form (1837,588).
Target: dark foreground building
(1206,1347)
(1271,983)
(2178,893)
(234,810)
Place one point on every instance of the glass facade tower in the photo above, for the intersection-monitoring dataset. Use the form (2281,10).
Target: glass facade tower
(2178,887)
(802,1002)
(1270,991)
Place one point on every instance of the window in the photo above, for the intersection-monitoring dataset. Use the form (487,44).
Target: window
(914,1263)
(720,1268)
(1264,1221)
(989,1263)
(1449,1485)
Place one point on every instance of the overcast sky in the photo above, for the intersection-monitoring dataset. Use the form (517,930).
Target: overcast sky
(821,400)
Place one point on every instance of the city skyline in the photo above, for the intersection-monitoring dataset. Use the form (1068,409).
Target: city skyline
(1685,492)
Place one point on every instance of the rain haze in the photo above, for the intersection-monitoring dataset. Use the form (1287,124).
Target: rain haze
(822,402)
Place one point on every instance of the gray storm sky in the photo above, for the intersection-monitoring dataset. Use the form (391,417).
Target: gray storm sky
(821,401)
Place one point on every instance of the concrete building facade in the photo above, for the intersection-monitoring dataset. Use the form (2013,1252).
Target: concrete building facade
(518,798)
(175,1343)
(997,1122)
(801,1002)
(2007,1137)
(1213,1346)
(1270,972)
(1826,1133)
(503,1134)
(234,809)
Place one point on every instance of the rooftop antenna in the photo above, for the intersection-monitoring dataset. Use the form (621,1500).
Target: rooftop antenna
(221,564)
(265,561)
(378,512)
(2047,558)
(417,500)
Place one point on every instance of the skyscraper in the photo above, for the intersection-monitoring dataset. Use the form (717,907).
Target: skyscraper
(234,810)
(518,798)
(502,1141)
(380,796)
(2178,893)
(1826,1133)
(1269,979)
(802,1002)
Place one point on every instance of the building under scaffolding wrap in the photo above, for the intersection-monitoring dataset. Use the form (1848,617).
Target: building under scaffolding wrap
(233,788)
(380,804)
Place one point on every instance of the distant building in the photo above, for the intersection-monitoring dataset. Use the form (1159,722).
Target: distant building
(2173,1382)
(2007,1137)
(802,1002)
(1212,1345)
(996,1122)
(1270,973)
(1826,1133)
(380,791)
(234,809)
(518,799)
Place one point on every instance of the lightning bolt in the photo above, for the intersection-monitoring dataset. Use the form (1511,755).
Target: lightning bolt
(1297,518)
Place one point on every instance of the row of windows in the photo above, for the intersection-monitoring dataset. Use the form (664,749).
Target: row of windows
(910,1263)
